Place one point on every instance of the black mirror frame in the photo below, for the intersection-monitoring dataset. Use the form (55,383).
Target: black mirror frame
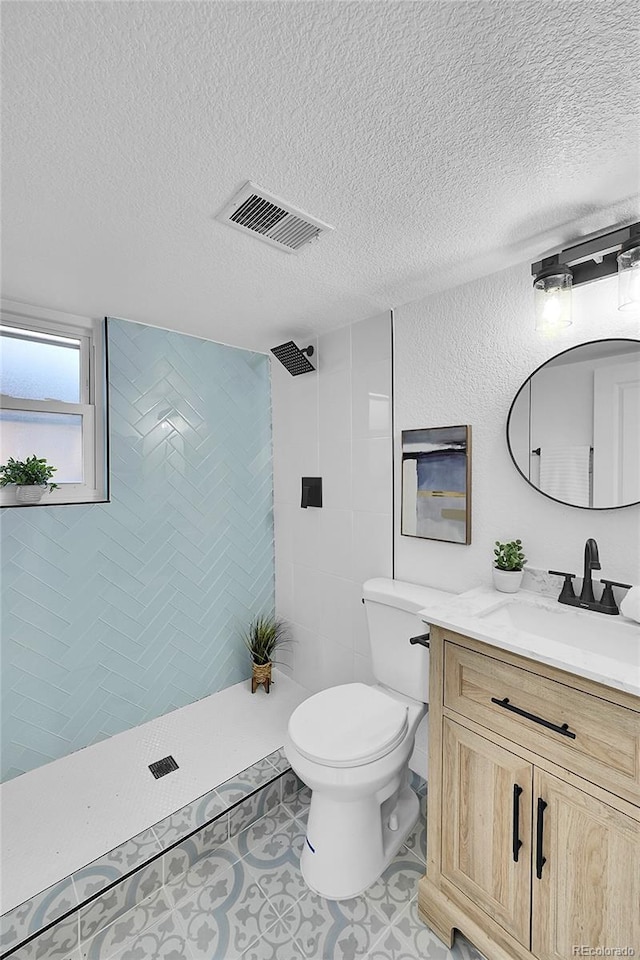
(564,503)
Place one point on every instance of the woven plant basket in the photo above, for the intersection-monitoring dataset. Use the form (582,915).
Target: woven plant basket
(261,674)
(30,494)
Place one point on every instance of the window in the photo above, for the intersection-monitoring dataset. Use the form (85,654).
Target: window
(53,399)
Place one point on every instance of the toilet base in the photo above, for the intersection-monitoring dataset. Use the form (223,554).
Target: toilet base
(349,844)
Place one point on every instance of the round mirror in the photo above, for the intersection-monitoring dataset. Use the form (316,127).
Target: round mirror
(574,426)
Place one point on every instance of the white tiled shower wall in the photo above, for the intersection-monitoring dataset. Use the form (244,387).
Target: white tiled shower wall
(335,423)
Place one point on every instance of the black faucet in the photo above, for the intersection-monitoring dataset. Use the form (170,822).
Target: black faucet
(591,562)
(586,600)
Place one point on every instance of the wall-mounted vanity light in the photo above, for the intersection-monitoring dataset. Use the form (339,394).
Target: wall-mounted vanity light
(629,273)
(552,296)
(553,277)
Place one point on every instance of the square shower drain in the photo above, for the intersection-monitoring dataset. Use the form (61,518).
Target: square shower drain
(162,767)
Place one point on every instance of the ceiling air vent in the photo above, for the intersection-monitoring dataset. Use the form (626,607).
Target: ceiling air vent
(271,219)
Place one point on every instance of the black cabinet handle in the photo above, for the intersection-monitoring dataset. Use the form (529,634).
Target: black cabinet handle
(540,860)
(564,729)
(517,842)
(423,639)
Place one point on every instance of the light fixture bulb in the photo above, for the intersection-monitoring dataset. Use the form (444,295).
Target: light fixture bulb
(629,275)
(552,298)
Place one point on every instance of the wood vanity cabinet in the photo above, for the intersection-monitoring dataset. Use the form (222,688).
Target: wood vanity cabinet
(533,823)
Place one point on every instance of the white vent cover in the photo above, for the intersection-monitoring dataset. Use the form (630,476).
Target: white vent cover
(271,219)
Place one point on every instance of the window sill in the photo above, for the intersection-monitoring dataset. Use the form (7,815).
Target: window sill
(56,499)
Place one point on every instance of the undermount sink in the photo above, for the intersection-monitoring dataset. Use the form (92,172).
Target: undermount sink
(594,632)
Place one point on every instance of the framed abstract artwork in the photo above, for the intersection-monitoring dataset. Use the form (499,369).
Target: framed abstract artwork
(436,484)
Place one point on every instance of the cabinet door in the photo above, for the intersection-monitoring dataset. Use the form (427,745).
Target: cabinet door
(487,798)
(588,891)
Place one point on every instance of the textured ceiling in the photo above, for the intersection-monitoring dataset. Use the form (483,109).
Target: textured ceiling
(442,140)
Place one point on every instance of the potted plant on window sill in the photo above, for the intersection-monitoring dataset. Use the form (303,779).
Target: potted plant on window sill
(508,566)
(30,477)
(263,637)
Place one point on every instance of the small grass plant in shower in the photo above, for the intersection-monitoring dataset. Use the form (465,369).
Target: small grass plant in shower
(264,636)
(508,565)
(30,477)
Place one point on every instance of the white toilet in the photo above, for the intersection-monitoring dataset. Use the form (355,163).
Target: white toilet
(351,745)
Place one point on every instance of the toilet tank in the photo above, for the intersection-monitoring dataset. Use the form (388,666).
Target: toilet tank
(392,607)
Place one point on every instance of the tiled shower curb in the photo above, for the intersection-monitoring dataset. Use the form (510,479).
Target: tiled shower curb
(106,889)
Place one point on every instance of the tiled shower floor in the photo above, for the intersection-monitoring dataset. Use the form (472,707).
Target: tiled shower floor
(248,900)
(66,814)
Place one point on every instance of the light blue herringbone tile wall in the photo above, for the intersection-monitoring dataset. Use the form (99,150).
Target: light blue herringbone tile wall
(113,614)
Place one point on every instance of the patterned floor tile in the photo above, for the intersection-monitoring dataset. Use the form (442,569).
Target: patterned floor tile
(235,892)
(415,939)
(228,914)
(297,801)
(275,865)
(290,784)
(115,864)
(127,927)
(275,944)
(246,782)
(162,941)
(278,760)
(59,943)
(120,900)
(262,830)
(206,872)
(393,946)
(35,914)
(177,862)
(334,929)
(253,808)
(397,887)
(247,901)
(193,815)
(261,768)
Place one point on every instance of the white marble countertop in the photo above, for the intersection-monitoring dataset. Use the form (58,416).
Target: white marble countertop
(593,645)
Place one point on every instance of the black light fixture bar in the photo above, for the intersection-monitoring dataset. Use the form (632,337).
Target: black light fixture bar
(588,270)
(593,259)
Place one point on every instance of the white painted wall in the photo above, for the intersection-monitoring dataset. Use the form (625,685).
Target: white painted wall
(460,357)
(335,423)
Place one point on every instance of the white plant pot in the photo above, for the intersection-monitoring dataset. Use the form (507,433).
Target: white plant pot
(507,581)
(29,494)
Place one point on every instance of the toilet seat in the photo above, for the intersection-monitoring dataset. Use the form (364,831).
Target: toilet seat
(348,725)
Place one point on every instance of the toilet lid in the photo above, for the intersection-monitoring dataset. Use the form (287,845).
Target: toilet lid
(347,726)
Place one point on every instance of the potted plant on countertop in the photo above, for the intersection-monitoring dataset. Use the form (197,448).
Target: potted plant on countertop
(508,566)
(31,477)
(264,636)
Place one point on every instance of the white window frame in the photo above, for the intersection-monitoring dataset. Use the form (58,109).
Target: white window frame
(93,399)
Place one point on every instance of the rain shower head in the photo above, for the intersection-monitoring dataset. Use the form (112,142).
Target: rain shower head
(293,358)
